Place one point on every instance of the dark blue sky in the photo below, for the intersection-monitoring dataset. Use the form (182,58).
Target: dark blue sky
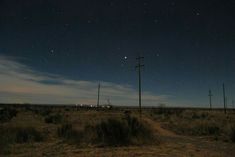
(188,45)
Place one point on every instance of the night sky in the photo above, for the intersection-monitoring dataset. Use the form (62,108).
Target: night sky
(57,51)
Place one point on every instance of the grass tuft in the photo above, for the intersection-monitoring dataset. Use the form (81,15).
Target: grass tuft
(110,132)
(54,119)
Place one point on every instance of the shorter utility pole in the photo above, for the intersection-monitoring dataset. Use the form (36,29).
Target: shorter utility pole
(139,65)
(210,95)
(98,100)
(233,109)
(224,99)
(108,101)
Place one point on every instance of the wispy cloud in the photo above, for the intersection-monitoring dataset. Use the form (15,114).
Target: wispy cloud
(20,83)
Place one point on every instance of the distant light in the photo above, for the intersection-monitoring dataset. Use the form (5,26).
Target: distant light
(125,57)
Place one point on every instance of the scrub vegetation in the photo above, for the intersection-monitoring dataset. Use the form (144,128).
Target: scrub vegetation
(60,131)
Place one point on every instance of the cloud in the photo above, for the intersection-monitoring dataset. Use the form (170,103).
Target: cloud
(20,83)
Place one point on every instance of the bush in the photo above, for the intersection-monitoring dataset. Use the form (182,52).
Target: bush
(205,128)
(7,137)
(55,119)
(137,128)
(67,132)
(113,132)
(129,130)
(24,135)
(232,134)
(110,132)
(13,135)
(6,114)
(42,111)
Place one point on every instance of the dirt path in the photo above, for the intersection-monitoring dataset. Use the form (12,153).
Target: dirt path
(198,146)
(157,127)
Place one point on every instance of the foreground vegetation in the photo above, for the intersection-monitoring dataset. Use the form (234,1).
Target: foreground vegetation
(213,124)
(111,132)
(23,130)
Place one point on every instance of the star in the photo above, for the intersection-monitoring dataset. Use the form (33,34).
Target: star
(173,3)
(52,51)
(125,57)
(66,25)
(88,21)
(155,20)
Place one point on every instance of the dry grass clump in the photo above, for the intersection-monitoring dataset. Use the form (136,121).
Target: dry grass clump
(6,114)
(232,134)
(109,132)
(54,118)
(12,135)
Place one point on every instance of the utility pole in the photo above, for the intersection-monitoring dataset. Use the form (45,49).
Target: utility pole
(210,95)
(224,99)
(233,104)
(139,65)
(98,100)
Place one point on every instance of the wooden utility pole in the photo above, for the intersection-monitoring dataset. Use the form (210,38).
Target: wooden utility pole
(210,95)
(224,99)
(139,65)
(98,100)
(233,105)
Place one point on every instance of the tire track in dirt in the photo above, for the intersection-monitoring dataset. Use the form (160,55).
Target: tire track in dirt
(158,128)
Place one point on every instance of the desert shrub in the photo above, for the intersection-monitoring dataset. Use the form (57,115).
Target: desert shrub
(67,109)
(109,132)
(64,130)
(55,119)
(7,137)
(113,132)
(195,127)
(29,134)
(130,130)
(232,134)
(67,132)
(195,115)
(42,111)
(7,114)
(13,135)
(137,128)
(205,128)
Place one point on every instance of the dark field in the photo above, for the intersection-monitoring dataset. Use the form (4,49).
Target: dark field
(66,131)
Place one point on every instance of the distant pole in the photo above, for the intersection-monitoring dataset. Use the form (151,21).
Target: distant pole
(98,100)
(233,104)
(139,65)
(224,98)
(210,95)
(108,101)
(226,102)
